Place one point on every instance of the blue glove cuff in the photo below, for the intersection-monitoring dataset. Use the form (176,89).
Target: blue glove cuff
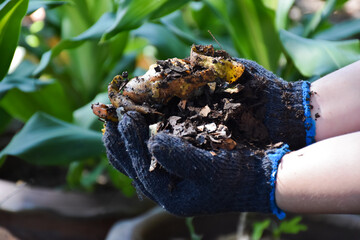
(309,122)
(275,158)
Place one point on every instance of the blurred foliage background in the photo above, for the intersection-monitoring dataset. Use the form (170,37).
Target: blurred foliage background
(57,57)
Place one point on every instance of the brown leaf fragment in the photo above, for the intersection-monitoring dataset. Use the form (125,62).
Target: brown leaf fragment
(213,153)
(214,140)
(211,127)
(173,120)
(216,114)
(200,128)
(229,105)
(204,112)
(228,144)
(222,131)
(182,104)
(212,87)
(235,89)
(184,129)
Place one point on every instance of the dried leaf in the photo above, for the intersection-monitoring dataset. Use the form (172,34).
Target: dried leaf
(182,104)
(228,144)
(173,120)
(211,127)
(205,111)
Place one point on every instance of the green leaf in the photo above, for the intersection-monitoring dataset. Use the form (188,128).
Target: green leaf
(190,225)
(89,179)
(22,83)
(84,117)
(121,182)
(131,14)
(11,14)
(340,30)
(273,4)
(24,69)
(198,15)
(319,57)
(50,99)
(292,226)
(282,13)
(318,17)
(168,7)
(340,4)
(20,79)
(36,4)
(46,140)
(166,42)
(259,228)
(93,33)
(252,29)
(115,51)
(5,119)
(73,176)
(175,23)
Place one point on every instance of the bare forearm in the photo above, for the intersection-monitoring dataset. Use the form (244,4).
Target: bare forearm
(321,178)
(336,102)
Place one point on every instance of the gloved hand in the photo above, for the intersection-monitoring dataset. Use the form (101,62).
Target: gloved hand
(188,180)
(287,108)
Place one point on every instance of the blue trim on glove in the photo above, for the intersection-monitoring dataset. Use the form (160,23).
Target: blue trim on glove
(275,159)
(309,122)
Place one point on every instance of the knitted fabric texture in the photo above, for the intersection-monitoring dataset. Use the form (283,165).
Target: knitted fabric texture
(192,181)
(284,106)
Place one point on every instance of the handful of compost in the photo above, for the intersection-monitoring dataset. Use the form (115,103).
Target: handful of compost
(219,127)
(171,84)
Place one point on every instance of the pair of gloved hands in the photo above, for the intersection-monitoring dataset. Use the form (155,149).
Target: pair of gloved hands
(193,181)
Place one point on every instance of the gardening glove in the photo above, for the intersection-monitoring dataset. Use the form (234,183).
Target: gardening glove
(119,157)
(287,105)
(191,181)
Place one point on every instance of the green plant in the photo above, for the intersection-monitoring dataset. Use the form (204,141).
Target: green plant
(75,51)
(190,225)
(292,226)
(259,228)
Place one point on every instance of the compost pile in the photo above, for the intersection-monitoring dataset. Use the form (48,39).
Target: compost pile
(217,114)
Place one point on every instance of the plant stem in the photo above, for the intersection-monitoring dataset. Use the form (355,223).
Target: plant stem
(191,228)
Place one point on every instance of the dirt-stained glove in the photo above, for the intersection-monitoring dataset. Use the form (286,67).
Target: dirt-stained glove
(287,105)
(190,181)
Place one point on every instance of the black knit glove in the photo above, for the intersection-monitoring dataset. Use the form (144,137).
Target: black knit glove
(190,181)
(287,109)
